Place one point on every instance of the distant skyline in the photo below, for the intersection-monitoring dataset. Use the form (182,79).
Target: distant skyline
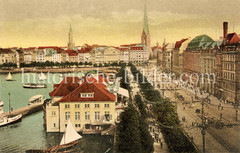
(25,23)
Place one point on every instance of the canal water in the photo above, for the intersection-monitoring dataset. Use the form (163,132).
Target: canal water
(30,133)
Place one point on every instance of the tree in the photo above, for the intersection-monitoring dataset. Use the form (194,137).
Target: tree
(128,135)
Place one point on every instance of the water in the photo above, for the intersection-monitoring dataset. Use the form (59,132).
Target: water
(30,133)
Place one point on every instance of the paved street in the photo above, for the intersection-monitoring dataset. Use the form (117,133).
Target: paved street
(218,138)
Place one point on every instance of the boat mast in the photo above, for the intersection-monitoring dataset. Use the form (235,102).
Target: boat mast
(9,105)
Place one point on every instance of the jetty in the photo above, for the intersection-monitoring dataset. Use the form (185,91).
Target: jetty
(26,110)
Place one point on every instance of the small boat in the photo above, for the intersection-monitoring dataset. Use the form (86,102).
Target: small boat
(42,77)
(69,140)
(36,99)
(34,85)
(9,77)
(10,119)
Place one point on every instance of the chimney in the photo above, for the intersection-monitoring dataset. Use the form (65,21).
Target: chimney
(225,29)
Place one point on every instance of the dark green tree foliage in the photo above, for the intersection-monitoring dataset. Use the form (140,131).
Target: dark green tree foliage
(165,116)
(128,135)
(146,138)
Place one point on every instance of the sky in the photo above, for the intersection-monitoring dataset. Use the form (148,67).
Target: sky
(26,23)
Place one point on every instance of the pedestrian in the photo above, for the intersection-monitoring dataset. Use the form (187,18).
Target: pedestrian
(222,107)
(161,144)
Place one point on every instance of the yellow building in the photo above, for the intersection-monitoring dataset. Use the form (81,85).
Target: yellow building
(90,106)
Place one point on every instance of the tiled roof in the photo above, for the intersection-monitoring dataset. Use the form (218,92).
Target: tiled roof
(44,47)
(99,94)
(67,85)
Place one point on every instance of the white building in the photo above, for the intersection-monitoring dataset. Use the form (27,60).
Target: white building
(124,54)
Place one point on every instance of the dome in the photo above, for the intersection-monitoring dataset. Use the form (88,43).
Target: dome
(199,41)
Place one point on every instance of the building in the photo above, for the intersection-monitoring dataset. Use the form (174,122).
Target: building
(138,54)
(155,50)
(84,53)
(7,56)
(90,106)
(124,54)
(191,57)
(145,38)
(70,39)
(72,56)
(177,57)
(97,54)
(111,55)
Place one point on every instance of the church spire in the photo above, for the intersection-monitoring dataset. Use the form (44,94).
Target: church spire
(70,39)
(145,23)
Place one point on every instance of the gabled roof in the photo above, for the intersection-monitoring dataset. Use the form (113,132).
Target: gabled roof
(67,85)
(178,44)
(232,38)
(99,94)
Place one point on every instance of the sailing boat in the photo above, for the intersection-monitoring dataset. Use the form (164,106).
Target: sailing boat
(10,119)
(42,77)
(69,138)
(9,77)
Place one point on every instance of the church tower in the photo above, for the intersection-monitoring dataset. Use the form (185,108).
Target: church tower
(70,39)
(146,35)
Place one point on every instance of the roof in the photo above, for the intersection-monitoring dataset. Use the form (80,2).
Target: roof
(71,52)
(178,44)
(199,41)
(99,94)
(67,85)
(136,48)
(6,51)
(124,49)
(232,38)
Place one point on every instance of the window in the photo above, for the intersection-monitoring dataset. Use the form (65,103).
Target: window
(87,116)
(108,117)
(97,105)
(86,95)
(67,105)
(87,105)
(106,105)
(65,125)
(77,115)
(77,125)
(97,115)
(77,105)
(54,124)
(53,113)
(67,115)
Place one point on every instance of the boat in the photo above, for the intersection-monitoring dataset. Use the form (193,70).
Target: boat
(36,99)
(34,85)
(69,140)
(42,77)
(10,119)
(9,77)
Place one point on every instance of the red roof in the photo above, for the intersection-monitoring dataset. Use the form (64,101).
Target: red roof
(44,47)
(71,52)
(232,38)
(136,48)
(178,44)
(67,85)
(123,49)
(99,93)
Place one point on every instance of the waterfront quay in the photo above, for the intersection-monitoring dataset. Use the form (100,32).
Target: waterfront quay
(26,110)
